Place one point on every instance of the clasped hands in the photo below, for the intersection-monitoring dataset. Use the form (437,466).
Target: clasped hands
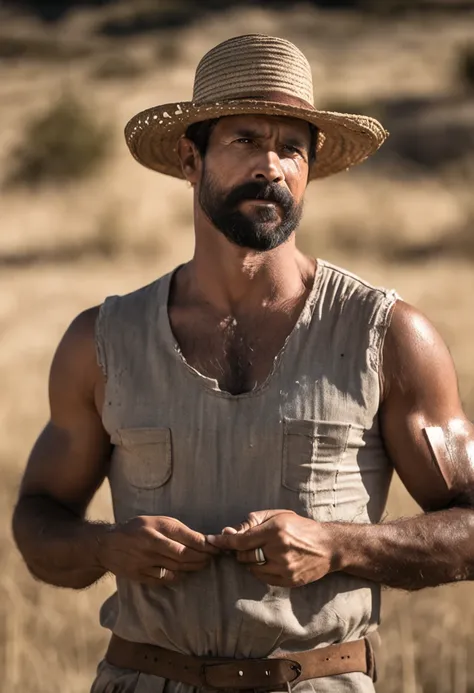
(156,550)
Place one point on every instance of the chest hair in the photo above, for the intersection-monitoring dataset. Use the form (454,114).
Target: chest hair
(238,355)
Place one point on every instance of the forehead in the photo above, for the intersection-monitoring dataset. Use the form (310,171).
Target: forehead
(265,125)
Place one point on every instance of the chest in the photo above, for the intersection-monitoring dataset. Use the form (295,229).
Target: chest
(209,459)
(238,354)
(305,441)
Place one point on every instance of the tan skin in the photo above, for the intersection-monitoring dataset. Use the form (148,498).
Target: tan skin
(238,299)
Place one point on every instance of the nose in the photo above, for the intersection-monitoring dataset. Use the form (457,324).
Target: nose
(268,167)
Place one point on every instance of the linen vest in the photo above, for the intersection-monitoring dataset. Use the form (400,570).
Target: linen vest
(307,439)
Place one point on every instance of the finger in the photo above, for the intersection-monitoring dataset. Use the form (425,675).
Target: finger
(164,546)
(254,520)
(174,566)
(238,529)
(267,570)
(269,578)
(224,542)
(258,518)
(251,539)
(154,576)
(250,557)
(188,537)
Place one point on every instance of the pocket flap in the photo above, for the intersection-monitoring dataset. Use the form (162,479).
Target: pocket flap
(140,436)
(143,455)
(328,434)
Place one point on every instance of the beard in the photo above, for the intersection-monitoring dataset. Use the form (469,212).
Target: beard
(265,229)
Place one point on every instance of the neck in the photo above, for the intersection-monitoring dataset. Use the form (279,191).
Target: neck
(234,279)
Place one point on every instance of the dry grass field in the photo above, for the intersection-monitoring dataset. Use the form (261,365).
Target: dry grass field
(63,247)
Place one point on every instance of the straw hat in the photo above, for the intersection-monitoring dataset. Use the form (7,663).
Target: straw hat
(253,74)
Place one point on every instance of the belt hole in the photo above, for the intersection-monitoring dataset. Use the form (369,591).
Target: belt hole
(155,659)
(241,673)
(267,673)
(146,656)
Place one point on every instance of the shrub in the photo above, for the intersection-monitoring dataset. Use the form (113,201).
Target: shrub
(63,144)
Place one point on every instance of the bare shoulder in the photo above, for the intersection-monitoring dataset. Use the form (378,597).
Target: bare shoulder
(68,460)
(82,326)
(409,331)
(78,342)
(406,316)
(75,371)
(416,359)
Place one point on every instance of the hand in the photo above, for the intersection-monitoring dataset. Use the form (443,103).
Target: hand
(297,550)
(140,548)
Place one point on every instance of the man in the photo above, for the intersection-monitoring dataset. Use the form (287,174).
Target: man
(248,409)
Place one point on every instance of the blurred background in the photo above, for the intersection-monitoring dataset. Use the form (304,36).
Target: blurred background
(79,220)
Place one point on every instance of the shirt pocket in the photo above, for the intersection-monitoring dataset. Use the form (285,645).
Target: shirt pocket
(143,456)
(312,453)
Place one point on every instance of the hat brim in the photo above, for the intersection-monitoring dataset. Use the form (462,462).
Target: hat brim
(346,140)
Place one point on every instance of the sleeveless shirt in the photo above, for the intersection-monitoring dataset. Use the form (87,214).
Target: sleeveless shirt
(307,439)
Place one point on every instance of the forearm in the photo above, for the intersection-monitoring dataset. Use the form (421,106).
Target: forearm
(411,553)
(58,547)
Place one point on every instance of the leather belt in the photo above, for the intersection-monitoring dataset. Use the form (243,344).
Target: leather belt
(273,672)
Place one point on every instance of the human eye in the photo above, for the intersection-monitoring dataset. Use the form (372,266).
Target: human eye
(292,149)
(244,140)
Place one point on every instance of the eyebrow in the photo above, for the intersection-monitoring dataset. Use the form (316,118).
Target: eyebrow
(290,139)
(246,132)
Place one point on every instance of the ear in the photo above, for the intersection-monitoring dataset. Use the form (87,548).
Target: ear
(190,160)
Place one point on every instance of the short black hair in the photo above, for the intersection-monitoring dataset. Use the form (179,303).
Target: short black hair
(313,143)
(200,132)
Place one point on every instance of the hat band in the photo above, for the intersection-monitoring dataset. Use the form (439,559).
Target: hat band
(279,97)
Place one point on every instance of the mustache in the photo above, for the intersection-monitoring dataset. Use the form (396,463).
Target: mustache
(271,192)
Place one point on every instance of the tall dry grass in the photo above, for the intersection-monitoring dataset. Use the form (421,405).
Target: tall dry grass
(63,248)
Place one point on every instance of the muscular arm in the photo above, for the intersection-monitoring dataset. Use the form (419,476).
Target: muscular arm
(68,463)
(420,390)
(66,466)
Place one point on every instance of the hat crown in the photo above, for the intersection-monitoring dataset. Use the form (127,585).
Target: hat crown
(253,64)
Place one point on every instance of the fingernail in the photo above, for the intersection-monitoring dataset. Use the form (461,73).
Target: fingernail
(211,538)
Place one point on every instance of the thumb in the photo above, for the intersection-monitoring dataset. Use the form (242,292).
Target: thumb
(240,541)
(253,520)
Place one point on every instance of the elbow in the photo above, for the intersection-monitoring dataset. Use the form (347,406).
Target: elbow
(74,580)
